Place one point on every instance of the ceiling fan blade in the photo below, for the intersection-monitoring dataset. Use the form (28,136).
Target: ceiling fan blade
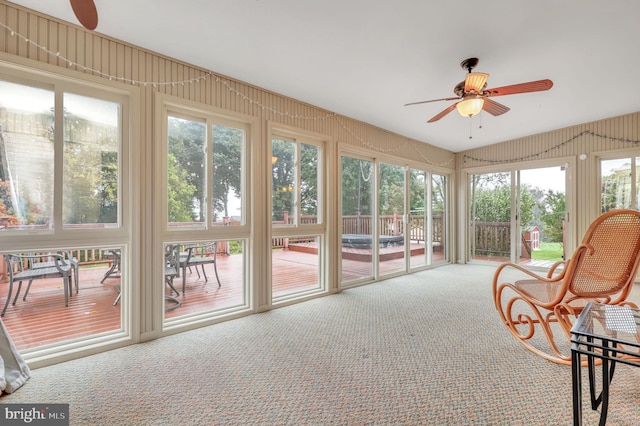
(86,12)
(475,81)
(432,100)
(443,113)
(494,108)
(532,86)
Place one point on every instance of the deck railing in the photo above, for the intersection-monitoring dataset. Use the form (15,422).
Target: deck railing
(388,225)
(492,238)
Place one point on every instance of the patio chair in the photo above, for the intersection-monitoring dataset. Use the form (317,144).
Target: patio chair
(171,267)
(171,256)
(40,260)
(199,255)
(29,268)
(602,269)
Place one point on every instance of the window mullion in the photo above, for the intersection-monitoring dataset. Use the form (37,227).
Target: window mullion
(298,185)
(58,160)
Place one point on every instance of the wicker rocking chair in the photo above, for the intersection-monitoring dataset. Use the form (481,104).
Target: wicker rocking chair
(603,269)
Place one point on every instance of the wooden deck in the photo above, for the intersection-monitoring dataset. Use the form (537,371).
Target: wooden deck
(43,318)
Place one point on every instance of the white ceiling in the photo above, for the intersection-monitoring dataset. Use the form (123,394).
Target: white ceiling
(367,58)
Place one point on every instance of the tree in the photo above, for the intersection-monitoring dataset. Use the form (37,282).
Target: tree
(309,179)
(180,193)
(187,142)
(81,182)
(108,187)
(553,216)
(438,195)
(357,186)
(417,191)
(283,178)
(227,167)
(391,190)
(491,200)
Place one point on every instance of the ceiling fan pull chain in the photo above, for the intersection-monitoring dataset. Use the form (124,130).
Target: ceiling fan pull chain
(470,137)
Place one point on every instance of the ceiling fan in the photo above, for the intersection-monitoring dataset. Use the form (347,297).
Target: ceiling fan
(86,12)
(472,96)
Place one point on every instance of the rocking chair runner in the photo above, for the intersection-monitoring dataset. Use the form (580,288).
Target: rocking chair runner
(602,269)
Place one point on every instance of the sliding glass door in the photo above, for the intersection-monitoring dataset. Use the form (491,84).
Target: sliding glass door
(541,207)
(358,184)
(518,216)
(407,229)
(391,219)
(490,217)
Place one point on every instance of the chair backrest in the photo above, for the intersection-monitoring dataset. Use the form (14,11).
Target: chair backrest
(172,255)
(610,267)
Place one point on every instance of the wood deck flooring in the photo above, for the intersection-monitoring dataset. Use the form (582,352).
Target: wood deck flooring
(43,318)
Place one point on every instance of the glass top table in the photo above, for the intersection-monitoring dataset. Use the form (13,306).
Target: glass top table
(608,333)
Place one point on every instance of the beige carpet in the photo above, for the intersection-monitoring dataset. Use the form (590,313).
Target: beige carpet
(424,349)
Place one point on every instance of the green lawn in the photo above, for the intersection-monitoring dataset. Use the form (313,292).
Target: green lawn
(548,251)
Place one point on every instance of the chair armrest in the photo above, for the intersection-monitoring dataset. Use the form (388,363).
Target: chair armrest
(63,265)
(561,265)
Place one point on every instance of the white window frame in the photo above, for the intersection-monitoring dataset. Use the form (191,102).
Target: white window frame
(125,236)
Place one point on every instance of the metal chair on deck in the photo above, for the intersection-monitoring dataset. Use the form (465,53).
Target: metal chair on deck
(199,255)
(30,267)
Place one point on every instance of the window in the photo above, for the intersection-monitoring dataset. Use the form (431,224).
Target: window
(90,177)
(295,182)
(195,149)
(296,217)
(28,157)
(619,183)
(186,172)
(228,151)
(90,174)
(206,233)
(64,158)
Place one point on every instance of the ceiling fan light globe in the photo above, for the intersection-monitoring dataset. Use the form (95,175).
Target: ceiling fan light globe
(470,107)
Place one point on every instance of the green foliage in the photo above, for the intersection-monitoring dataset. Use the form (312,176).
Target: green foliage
(108,188)
(553,215)
(180,193)
(391,190)
(417,191)
(283,178)
(227,167)
(309,179)
(186,147)
(357,187)
(438,194)
(90,182)
(235,247)
(491,199)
